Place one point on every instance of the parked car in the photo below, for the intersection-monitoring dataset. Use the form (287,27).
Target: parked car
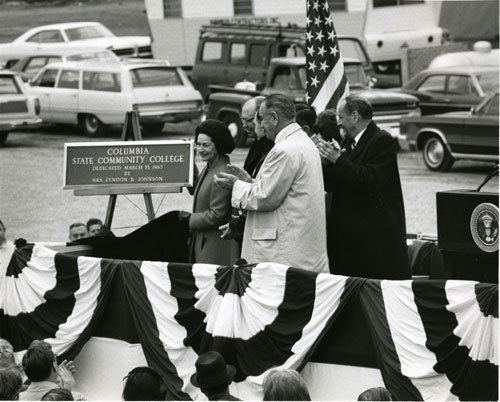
(452,89)
(481,55)
(29,66)
(18,109)
(74,34)
(450,136)
(95,94)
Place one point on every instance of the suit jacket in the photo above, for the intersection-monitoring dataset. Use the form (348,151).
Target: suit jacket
(285,205)
(211,209)
(366,224)
(256,155)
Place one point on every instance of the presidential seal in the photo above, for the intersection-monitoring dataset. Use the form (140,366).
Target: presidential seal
(484,227)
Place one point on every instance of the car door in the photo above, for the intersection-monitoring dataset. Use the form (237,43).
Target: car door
(480,134)
(237,69)
(461,94)
(102,96)
(258,62)
(43,86)
(64,97)
(211,67)
(431,93)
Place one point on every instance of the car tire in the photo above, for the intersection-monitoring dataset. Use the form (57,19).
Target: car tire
(235,126)
(436,155)
(92,126)
(3,137)
(153,128)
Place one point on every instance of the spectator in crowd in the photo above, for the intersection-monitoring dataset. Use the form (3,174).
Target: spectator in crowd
(7,248)
(5,344)
(262,145)
(255,157)
(285,202)
(11,382)
(211,204)
(94,226)
(77,230)
(326,126)
(40,366)
(7,358)
(375,394)
(144,384)
(58,394)
(285,385)
(366,224)
(306,118)
(213,377)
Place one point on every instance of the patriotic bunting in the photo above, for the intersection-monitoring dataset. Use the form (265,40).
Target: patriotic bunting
(434,340)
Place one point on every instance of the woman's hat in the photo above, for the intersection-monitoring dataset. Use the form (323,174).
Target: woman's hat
(212,370)
(219,133)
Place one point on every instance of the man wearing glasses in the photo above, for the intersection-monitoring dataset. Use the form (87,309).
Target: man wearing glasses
(261,145)
(285,202)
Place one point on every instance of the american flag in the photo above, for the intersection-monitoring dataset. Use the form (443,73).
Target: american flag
(326,80)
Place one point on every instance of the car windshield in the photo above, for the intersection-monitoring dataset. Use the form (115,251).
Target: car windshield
(488,82)
(8,85)
(350,48)
(355,75)
(88,32)
(104,55)
(155,77)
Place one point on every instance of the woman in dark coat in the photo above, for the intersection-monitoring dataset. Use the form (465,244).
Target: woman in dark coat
(211,203)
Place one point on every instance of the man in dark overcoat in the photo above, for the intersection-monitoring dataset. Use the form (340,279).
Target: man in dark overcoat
(366,233)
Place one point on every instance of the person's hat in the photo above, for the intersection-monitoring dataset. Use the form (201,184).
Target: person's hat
(219,133)
(212,370)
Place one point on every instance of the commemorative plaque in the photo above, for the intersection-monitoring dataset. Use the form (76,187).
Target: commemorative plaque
(122,165)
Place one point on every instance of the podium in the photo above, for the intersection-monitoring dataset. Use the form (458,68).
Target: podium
(467,225)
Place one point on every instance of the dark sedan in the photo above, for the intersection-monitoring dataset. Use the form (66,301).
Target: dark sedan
(452,89)
(457,135)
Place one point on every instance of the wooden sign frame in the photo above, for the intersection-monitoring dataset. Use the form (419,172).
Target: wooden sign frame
(131,128)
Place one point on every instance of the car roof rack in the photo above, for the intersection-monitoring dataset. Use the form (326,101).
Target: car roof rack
(270,27)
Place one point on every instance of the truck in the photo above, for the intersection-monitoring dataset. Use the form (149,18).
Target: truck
(287,75)
(229,52)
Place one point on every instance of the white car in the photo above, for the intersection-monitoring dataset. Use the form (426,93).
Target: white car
(74,34)
(95,94)
(18,109)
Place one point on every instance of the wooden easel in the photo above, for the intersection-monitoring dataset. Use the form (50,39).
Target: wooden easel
(131,128)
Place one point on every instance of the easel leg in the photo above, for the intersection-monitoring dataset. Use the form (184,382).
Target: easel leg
(111,210)
(149,207)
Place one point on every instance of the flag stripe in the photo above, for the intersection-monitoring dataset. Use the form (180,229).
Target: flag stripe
(333,89)
(408,334)
(144,317)
(471,380)
(390,366)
